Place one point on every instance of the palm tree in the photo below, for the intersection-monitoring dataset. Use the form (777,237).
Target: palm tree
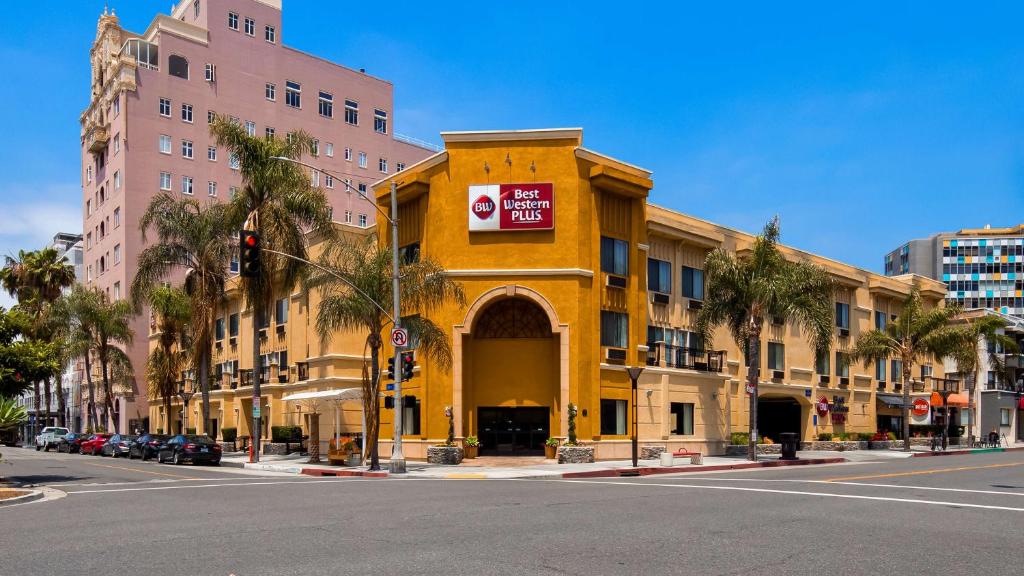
(171,308)
(355,288)
(743,291)
(112,333)
(74,320)
(915,335)
(975,333)
(278,202)
(195,237)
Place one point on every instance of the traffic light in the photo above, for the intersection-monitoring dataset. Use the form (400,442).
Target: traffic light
(407,365)
(249,248)
(391,368)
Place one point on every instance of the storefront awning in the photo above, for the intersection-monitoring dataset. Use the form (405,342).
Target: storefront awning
(891,400)
(342,394)
(957,400)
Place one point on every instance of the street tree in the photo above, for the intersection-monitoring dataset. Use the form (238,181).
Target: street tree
(171,309)
(977,333)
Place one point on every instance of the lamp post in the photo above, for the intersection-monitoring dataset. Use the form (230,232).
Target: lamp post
(634,375)
(945,387)
(396,464)
(185,397)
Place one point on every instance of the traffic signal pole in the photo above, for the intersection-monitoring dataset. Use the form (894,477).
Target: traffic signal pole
(397,463)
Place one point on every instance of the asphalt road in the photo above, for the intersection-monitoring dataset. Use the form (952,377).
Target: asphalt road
(945,515)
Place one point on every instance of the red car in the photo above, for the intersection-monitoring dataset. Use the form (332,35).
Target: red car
(94,444)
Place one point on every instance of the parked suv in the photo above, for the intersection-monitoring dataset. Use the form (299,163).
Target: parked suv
(49,437)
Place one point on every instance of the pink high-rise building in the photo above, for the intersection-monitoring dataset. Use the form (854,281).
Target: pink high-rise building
(146,130)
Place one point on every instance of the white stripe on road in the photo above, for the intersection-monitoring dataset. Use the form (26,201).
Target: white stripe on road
(800,493)
(873,485)
(156,481)
(218,485)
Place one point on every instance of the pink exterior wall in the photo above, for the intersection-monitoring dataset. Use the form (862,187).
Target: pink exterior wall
(244,65)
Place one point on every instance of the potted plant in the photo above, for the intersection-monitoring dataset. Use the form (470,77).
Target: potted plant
(550,448)
(472,447)
(448,453)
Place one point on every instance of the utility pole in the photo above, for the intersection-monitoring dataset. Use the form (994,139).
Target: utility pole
(397,463)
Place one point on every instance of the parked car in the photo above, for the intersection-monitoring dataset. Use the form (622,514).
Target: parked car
(146,445)
(189,447)
(71,442)
(117,445)
(49,437)
(94,443)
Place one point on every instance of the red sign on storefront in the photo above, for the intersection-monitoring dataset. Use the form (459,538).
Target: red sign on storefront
(920,407)
(504,207)
(821,406)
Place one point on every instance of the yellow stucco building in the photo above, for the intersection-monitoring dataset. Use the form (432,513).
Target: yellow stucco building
(569,275)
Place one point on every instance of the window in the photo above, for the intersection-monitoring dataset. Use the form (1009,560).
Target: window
(352,112)
(186,185)
(776,356)
(269,132)
(613,417)
(186,112)
(380,121)
(165,144)
(659,276)
(362,220)
(399,166)
(165,180)
(410,253)
(88,240)
(117,106)
(233,325)
(693,283)
(880,370)
(614,329)
(382,165)
(328,181)
(314,147)
(233,161)
(232,20)
(88,175)
(1004,416)
(218,329)
(117,253)
(879,320)
(348,154)
(362,159)
(117,291)
(211,153)
(681,418)
(326,105)
(232,191)
(117,217)
(234,263)
(410,415)
(293,94)
(614,256)
(842,365)
(269,34)
(210,116)
(177,66)
(211,72)
(211,189)
(348,216)
(195,8)
(329,150)
(270,91)
(314,178)
(117,180)
(362,189)
(250,128)
(165,107)
(250,26)
(186,149)
(821,363)
(897,371)
(843,315)
(88,274)
(281,311)
(117,143)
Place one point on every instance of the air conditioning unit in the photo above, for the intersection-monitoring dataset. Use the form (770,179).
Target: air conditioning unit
(695,304)
(823,379)
(778,320)
(615,355)
(280,328)
(844,332)
(614,281)
(263,333)
(659,298)
(232,340)
(844,381)
(219,344)
(778,374)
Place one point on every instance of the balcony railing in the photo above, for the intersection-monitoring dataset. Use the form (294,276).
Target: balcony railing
(1003,386)
(302,370)
(668,356)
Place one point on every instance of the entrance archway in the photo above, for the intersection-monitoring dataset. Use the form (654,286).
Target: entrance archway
(511,368)
(776,415)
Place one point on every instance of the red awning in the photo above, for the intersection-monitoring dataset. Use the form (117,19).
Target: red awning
(957,400)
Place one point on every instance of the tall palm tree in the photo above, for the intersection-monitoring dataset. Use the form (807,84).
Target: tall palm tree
(915,335)
(171,309)
(983,331)
(74,323)
(357,303)
(112,334)
(745,290)
(278,202)
(197,238)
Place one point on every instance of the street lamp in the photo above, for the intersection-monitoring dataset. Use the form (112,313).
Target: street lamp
(634,375)
(185,397)
(945,387)
(396,465)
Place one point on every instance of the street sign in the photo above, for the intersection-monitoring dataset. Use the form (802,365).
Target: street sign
(389,386)
(399,337)
(255,411)
(751,388)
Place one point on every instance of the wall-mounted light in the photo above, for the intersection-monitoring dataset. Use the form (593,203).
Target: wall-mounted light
(533,167)
(487,167)
(508,158)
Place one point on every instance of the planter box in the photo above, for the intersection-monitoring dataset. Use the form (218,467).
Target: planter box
(651,452)
(276,448)
(449,455)
(550,452)
(227,446)
(741,449)
(471,452)
(575,454)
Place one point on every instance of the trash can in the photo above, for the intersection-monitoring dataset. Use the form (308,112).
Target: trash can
(790,443)
(666,459)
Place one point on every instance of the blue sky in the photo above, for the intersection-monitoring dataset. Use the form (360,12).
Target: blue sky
(860,125)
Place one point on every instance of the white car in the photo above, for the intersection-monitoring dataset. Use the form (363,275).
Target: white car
(49,437)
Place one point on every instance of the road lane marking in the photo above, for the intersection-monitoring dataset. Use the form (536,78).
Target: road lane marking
(156,481)
(802,493)
(921,472)
(868,484)
(333,480)
(144,471)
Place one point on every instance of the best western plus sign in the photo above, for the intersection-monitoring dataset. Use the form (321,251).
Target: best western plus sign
(511,207)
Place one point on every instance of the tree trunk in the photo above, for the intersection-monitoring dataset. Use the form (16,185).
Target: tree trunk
(314,438)
(204,387)
(168,420)
(47,398)
(92,395)
(373,415)
(35,421)
(108,401)
(753,374)
(906,367)
(257,320)
(62,405)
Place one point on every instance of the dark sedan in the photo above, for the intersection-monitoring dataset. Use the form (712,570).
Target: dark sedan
(117,445)
(72,442)
(146,446)
(189,447)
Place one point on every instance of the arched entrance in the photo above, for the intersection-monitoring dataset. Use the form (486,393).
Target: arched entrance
(776,415)
(511,387)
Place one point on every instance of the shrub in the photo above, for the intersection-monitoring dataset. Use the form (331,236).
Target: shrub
(766,440)
(891,435)
(229,434)
(864,436)
(824,437)
(879,436)
(159,430)
(572,425)
(191,431)
(281,434)
(472,441)
(739,438)
(553,442)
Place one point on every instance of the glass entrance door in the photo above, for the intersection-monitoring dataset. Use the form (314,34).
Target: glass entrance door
(513,431)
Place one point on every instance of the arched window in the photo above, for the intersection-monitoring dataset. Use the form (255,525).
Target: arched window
(103,195)
(177,66)
(513,318)
(103,230)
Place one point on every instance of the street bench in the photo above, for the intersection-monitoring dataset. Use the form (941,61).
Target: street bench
(695,457)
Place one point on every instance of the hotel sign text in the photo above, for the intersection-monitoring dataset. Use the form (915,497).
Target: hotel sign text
(501,207)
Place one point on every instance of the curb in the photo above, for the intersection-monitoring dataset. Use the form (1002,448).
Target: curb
(32,496)
(361,473)
(659,470)
(970,451)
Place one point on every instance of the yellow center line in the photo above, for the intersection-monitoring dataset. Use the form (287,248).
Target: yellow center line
(920,472)
(144,471)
